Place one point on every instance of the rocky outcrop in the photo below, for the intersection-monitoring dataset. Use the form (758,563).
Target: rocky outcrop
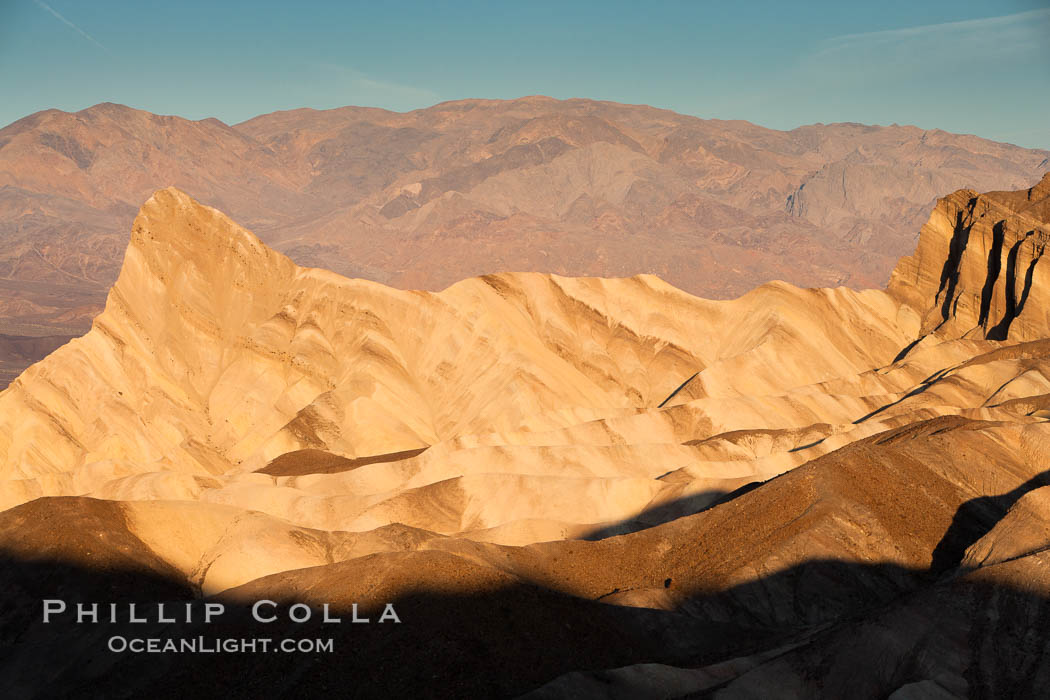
(216,354)
(979,260)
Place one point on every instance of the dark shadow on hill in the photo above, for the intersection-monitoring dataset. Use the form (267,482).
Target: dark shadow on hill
(950,270)
(668,511)
(1014,304)
(995,262)
(906,349)
(975,518)
(923,386)
(847,629)
(829,628)
(678,389)
(313,461)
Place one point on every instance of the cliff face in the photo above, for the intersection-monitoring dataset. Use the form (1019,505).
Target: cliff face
(979,261)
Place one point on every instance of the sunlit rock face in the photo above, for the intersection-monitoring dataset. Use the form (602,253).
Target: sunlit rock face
(979,258)
(578,483)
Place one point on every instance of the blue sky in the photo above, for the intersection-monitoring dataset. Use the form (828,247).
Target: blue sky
(970,67)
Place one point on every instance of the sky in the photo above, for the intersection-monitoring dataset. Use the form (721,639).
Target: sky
(958,65)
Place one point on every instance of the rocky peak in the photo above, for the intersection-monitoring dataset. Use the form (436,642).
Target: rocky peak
(976,271)
(194,262)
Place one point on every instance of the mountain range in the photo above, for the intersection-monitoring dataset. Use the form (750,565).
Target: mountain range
(424,199)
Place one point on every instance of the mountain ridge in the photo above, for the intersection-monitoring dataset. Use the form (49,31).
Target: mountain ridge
(426,198)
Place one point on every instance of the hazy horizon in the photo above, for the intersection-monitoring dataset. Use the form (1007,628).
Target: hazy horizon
(939,65)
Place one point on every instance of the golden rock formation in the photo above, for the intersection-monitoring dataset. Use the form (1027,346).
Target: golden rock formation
(978,260)
(544,404)
(761,493)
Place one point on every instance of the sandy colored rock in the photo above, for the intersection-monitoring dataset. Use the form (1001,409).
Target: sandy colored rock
(568,486)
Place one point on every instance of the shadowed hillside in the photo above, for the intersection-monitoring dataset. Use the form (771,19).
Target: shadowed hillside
(821,612)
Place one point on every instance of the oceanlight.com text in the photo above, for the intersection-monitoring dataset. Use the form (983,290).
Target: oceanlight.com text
(229,645)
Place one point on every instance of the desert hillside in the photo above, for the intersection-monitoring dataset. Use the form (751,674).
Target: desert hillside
(423,199)
(569,486)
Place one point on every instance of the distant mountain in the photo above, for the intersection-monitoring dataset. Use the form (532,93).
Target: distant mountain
(426,198)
